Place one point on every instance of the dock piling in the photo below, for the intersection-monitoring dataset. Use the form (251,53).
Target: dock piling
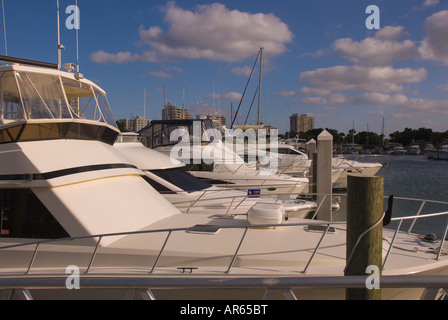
(364,231)
(323,168)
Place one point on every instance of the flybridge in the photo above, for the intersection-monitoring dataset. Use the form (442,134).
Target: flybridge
(38,101)
(35,63)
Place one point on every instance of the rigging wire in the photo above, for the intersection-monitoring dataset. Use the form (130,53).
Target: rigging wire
(4,29)
(247,84)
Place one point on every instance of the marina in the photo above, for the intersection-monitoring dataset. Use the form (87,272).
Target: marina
(184,209)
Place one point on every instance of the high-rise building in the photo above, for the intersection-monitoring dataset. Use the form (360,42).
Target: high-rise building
(301,122)
(134,124)
(171,112)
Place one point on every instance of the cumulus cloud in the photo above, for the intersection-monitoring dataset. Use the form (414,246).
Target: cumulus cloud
(434,45)
(419,106)
(211,32)
(368,98)
(232,96)
(121,57)
(359,78)
(285,93)
(314,91)
(379,50)
(242,71)
(160,74)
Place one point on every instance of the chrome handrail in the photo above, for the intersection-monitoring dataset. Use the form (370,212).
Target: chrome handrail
(246,228)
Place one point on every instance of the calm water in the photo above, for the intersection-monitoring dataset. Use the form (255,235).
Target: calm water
(414,177)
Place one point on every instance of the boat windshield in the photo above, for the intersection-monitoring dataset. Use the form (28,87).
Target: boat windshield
(182,180)
(28,96)
(159,132)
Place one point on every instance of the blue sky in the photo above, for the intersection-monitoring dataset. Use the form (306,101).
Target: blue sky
(319,57)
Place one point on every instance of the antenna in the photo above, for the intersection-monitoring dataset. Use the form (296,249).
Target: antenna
(259,85)
(77,29)
(60,46)
(4,29)
(144,103)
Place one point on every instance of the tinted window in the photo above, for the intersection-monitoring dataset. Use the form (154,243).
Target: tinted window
(24,216)
(182,180)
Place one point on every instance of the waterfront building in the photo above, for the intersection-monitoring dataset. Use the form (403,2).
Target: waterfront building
(170,112)
(301,122)
(134,124)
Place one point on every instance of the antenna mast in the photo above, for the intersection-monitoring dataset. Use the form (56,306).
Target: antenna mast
(77,42)
(4,29)
(259,85)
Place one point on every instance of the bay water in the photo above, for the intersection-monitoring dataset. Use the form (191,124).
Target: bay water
(413,177)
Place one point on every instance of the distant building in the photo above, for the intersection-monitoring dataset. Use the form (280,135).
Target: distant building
(134,124)
(219,120)
(171,112)
(301,122)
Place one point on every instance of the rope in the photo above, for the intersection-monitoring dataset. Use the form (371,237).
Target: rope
(359,239)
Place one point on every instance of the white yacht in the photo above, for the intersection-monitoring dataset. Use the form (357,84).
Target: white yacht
(214,161)
(293,162)
(71,199)
(352,167)
(290,160)
(440,154)
(414,149)
(57,157)
(192,195)
(399,150)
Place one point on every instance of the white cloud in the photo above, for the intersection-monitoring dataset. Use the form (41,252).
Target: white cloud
(211,32)
(435,45)
(233,96)
(314,91)
(285,93)
(428,3)
(368,98)
(242,71)
(379,50)
(121,57)
(160,74)
(357,78)
(443,88)
(420,106)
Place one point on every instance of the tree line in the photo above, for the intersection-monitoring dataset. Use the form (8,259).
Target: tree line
(372,140)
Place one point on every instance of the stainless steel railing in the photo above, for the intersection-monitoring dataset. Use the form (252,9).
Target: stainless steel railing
(325,227)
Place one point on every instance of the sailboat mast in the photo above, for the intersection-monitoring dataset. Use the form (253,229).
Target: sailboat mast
(259,85)
(59,37)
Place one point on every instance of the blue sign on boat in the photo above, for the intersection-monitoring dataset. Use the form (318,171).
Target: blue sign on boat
(253,193)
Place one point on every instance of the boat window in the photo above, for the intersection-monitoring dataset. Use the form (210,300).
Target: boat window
(182,180)
(104,108)
(10,133)
(87,103)
(20,131)
(160,188)
(42,96)
(160,132)
(24,216)
(11,106)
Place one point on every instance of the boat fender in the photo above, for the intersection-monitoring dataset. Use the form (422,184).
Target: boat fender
(388,214)
(266,213)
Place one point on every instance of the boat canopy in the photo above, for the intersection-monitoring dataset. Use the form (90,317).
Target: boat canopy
(159,132)
(28,93)
(39,103)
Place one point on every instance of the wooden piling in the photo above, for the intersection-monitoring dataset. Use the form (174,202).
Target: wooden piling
(324,167)
(312,155)
(364,210)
